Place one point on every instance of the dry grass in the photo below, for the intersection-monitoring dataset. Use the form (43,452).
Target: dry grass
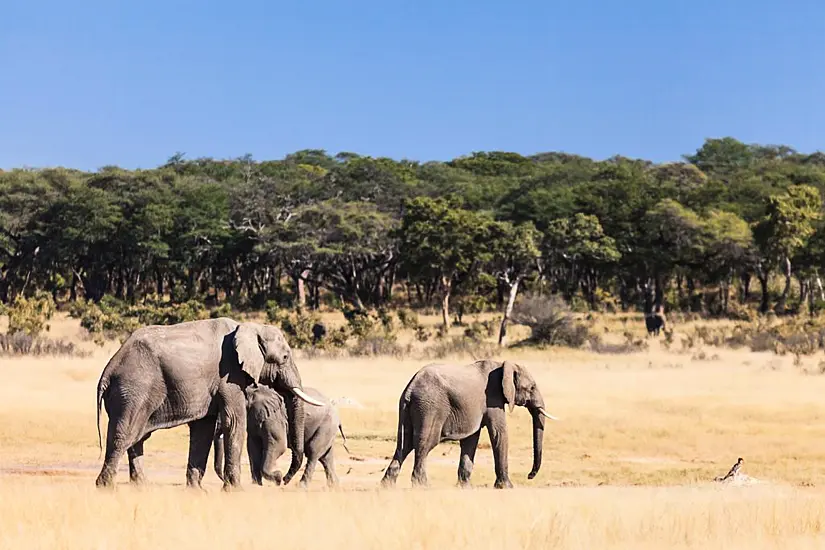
(629,465)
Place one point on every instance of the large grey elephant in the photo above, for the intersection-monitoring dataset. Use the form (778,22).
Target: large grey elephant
(266,440)
(192,373)
(452,403)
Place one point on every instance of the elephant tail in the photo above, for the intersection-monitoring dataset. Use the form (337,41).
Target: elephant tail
(102,386)
(404,437)
(341,429)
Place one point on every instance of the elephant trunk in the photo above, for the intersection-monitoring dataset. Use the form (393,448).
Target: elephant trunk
(218,446)
(268,459)
(295,419)
(538,441)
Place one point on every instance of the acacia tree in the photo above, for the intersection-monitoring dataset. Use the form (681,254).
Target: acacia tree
(438,240)
(515,253)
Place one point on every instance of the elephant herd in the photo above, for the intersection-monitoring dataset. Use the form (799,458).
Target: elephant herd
(234,383)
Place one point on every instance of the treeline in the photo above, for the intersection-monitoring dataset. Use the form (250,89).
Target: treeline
(734,225)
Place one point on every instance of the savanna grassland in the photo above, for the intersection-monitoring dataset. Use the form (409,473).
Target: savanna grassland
(630,464)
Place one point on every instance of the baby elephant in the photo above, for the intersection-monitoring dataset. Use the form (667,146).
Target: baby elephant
(266,436)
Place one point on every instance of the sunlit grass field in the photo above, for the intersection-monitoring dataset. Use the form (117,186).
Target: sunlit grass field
(630,464)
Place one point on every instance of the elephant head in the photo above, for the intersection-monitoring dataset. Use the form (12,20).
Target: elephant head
(265,355)
(520,389)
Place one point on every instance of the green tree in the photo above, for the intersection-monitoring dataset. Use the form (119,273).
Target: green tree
(442,242)
(515,254)
(787,225)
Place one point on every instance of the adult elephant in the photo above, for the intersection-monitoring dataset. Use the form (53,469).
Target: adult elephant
(191,373)
(452,403)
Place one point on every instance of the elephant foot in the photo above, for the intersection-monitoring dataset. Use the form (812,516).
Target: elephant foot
(503,484)
(419,483)
(196,489)
(104,484)
(137,480)
(229,488)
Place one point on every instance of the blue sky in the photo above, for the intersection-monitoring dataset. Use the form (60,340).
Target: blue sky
(86,84)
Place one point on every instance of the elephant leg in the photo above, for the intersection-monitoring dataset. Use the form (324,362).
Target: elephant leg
(404,447)
(255,452)
(201,434)
(233,422)
(271,451)
(468,452)
(123,432)
(498,440)
(429,434)
(135,453)
(328,462)
(115,447)
(309,469)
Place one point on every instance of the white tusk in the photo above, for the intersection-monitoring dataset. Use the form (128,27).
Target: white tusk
(550,416)
(300,393)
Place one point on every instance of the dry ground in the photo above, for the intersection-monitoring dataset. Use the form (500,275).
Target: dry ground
(630,464)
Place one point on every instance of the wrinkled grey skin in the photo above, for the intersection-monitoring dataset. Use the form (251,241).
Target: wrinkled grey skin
(192,373)
(266,441)
(452,403)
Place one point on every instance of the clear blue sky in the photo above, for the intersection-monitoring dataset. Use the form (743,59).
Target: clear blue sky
(86,84)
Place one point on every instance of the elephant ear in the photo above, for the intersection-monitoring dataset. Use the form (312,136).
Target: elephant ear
(269,405)
(250,356)
(508,383)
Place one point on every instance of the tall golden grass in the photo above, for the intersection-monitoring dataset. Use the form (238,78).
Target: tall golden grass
(630,464)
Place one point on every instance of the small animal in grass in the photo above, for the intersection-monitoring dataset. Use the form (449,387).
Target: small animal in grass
(733,471)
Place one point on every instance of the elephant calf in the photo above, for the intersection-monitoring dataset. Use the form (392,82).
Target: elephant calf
(267,436)
(453,403)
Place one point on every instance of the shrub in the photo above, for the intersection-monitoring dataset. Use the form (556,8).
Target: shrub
(298,328)
(407,318)
(31,315)
(224,310)
(337,338)
(273,312)
(550,321)
(422,334)
(372,346)
(460,346)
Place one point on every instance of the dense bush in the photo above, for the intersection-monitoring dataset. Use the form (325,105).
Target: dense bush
(550,320)
(30,316)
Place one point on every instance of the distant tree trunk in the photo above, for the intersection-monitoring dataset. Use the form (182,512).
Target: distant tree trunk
(804,290)
(316,297)
(72,289)
(300,289)
(780,306)
(447,286)
(763,283)
(508,310)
